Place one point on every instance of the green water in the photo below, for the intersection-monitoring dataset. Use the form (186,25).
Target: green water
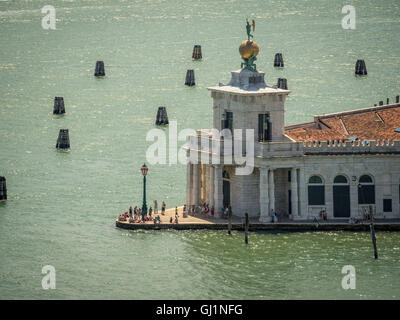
(62,205)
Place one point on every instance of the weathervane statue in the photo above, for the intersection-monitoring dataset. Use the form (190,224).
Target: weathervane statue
(248,28)
(249,49)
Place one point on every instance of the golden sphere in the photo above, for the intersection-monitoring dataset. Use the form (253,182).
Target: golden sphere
(247,47)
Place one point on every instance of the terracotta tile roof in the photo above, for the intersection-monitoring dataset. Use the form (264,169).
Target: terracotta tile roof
(371,123)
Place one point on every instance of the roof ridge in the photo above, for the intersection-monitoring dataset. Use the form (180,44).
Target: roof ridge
(356,111)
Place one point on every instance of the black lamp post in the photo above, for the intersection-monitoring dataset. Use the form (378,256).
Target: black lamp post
(144,170)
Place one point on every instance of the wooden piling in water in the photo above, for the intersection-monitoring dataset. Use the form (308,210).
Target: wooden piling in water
(63,139)
(282,83)
(381,103)
(99,70)
(190,78)
(196,55)
(162,117)
(278,61)
(59,107)
(3,189)
(246,228)
(361,68)
(230,222)
(387,100)
(397,99)
(372,229)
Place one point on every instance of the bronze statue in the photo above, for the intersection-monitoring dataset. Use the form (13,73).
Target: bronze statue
(248,28)
(249,49)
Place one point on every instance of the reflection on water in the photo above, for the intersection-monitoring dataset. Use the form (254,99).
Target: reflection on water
(62,205)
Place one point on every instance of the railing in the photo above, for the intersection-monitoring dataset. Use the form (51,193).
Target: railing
(337,146)
(204,142)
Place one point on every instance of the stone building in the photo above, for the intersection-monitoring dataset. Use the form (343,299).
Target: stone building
(346,164)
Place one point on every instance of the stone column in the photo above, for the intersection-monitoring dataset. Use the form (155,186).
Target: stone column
(264,197)
(218,191)
(189,186)
(353,198)
(211,185)
(271,191)
(196,184)
(294,193)
(302,195)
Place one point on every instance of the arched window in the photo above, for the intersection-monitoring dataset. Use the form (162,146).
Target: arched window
(366,190)
(316,191)
(225,175)
(340,180)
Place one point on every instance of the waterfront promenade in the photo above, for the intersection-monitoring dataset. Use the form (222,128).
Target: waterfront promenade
(201,222)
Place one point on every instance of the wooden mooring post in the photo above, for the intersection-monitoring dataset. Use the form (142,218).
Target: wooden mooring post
(397,99)
(372,229)
(99,70)
(246,228)
(230,222)
(3,189)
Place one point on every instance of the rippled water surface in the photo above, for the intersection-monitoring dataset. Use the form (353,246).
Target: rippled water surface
(62,205)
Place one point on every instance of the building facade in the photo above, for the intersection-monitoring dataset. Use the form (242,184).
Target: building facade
(345,164)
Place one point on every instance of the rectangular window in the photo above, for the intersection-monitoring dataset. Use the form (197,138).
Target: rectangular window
(316,195)
(366,194)
(264,127)
(387,205)
(227,123)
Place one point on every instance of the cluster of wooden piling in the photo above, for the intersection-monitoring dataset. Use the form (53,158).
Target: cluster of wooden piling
(190,78)
(162,117)
(99,69)
(246,225)
(282,83)
(59,107)
(3,189)
(361,68)
(278,61)
(196,55)
(63,139)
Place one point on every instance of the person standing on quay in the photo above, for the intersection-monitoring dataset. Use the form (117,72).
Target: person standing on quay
(163,205)
(184,211)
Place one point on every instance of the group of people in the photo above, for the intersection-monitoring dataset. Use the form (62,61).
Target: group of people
(176,220)
(136,215)
(203,210)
